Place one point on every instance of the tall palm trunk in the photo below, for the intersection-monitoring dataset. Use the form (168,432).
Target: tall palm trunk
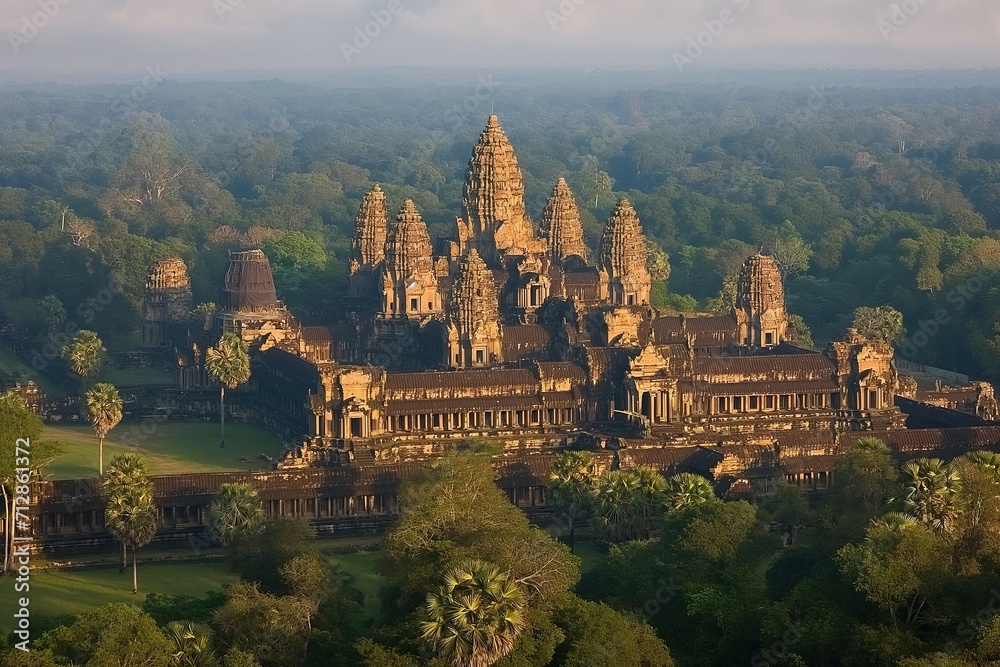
(222,414)
(135,579)
(100,455)
(124,563)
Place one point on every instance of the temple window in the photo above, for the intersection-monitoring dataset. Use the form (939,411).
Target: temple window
(783,402)
(755,402)
(436,423)
(535,416)
(413,305)
(722,404)
(737,403)
(488,418)
(769,402)
(769,338)
(480,357)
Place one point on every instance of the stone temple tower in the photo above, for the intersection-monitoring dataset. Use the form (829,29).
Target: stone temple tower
(493,212)
(371,231)
(167,301)
(623,257)
(561,227)
(409,284)
(760,303)
(249,305)
(474,334)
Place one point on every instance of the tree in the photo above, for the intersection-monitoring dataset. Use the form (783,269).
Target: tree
(131,517)
(192,644)
(571,488)
(657,261)
(801,334)
(475,617)
(883,323)
(115,634)
(52,311)
(235,511)
(85,353)
(862,484)
(599,636)
(454,512)
(687,490)
(932,493)
(258,556)
(202,315)
(594,181)
(104,406)
(228,363)
(126,470)
(274,630)
(628,504)
(900,562)
(17,421)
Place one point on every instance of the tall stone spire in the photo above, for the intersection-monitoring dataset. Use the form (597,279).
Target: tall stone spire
(167,300)
(623,256)
(760,302)
(473,325)
(371,228)
(493,195)
(561,227)
(409,283)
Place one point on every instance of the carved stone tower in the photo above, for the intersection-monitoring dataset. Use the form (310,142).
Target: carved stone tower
(371,230)
(493,197)
(623,257)
(474,334)
(409,284)
(760,303)
(561,227)
(249,305)
(167,301)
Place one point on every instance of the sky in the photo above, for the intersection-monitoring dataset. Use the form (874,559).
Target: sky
(681,36)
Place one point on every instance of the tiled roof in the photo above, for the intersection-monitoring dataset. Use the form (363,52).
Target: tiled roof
(503,380)
(776,387)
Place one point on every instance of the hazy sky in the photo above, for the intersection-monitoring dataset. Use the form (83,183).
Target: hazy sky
(210,35)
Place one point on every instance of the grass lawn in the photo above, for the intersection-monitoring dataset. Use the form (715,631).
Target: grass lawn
(124,378)
(362,568)
(169,447)
(55,593)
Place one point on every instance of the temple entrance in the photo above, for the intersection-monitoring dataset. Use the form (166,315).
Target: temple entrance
(355,427)
(647,406)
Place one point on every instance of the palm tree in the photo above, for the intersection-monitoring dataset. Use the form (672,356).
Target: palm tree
(192,643)
(571,488)
(85,354)
(687,490)
(228,364)
(474,619)
(53,312)
(620,511)
(932,493)
(104,405)
(235,510)
(131,517)
(124,471)
(986,461)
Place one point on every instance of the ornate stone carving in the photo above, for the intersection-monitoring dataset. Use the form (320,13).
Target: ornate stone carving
(409,281)
(760,303)
(561,226)
(623,257)
(371,229)
(473,326)
(493,196)
(167,300)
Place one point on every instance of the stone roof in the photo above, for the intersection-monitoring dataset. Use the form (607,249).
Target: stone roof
(248,286)
(498,381)
(561,226)
(371,228)
(761,367)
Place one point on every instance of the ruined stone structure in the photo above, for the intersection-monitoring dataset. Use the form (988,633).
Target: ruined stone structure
(167,302)
(473,324)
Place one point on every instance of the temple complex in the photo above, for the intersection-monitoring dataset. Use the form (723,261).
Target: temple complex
(505,334)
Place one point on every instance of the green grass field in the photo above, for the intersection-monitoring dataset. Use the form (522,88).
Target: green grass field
(57,593)
(169,448)
(137,377)
(10,363)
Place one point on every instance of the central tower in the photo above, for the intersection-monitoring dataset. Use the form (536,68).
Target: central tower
(493,213)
